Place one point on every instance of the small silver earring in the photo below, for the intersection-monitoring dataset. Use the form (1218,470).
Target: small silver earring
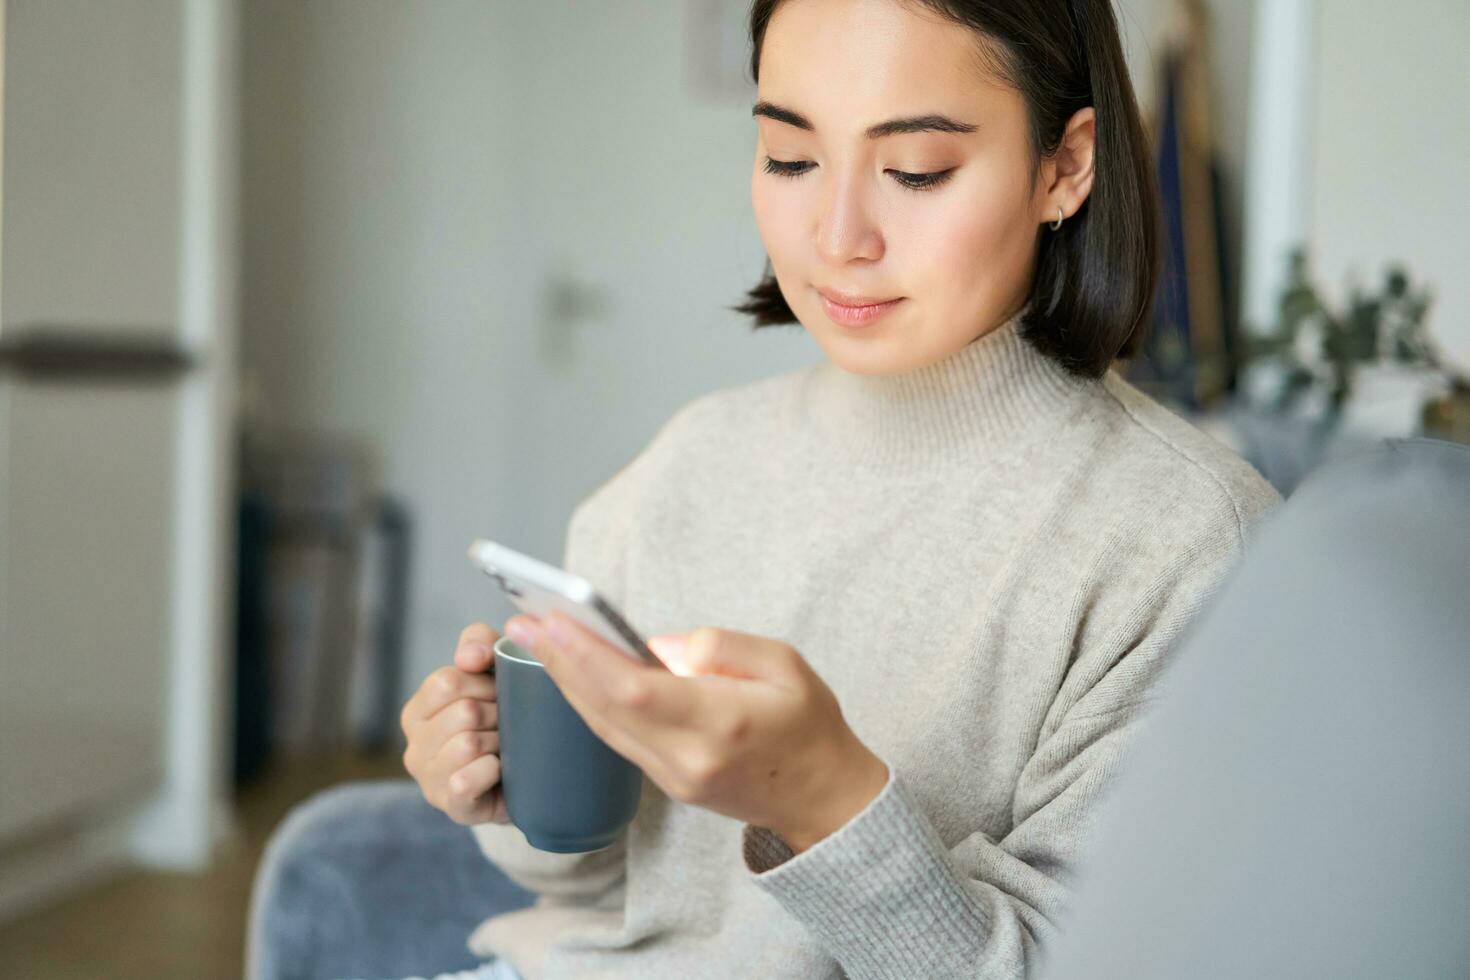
(1057,223)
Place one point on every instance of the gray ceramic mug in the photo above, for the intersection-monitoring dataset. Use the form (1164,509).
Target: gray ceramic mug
(564,788)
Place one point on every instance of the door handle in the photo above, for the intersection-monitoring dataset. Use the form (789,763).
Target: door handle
(57,352)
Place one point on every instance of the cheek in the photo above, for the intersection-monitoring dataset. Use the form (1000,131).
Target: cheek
(969,244)
(777,218)
(965,237)
(780,220)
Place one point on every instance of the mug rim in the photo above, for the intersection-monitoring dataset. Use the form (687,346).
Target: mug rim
(512,657)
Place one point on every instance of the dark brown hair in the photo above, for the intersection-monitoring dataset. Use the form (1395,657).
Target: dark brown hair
(1096,275)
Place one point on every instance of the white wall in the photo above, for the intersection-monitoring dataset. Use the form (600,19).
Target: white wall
(414,177)
(1390,150)
(378,263)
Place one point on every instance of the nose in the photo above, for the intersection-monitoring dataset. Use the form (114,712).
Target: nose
(845,230)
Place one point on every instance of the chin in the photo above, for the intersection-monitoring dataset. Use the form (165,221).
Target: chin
(858,354)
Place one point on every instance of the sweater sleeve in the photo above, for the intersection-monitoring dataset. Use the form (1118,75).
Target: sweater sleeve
(887,897)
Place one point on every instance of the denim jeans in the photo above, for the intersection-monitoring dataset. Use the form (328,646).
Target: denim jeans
(366,879)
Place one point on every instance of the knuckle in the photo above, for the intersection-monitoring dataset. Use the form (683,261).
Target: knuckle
(736,730)
(709,771)
(467,711)
(468,743)
(463,787)
(701,766)
(634,693)
(446,680)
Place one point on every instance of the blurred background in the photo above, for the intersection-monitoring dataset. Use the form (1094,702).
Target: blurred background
(296,298)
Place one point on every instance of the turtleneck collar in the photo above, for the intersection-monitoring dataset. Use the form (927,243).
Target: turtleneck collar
(995,390)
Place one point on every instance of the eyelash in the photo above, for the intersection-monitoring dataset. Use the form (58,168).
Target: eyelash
(918,182)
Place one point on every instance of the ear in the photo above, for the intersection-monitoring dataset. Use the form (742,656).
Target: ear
(1068,172)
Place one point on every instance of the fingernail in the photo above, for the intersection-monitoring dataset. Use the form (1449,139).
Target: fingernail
(482,650)
(519,632)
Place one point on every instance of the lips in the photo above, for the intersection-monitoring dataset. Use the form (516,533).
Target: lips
(856,300)
(855,311)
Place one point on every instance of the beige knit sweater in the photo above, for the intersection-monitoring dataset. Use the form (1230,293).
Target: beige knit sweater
(988,561)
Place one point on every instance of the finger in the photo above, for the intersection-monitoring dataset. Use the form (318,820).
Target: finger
(476,649)
(474,779)
(637,738)
(633,696)
(471,791)
(443,686)
(462,750)
(706,651)
(630,745)
(469,712)
(464,715)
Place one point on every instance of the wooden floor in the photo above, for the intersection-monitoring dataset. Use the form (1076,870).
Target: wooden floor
(152,926)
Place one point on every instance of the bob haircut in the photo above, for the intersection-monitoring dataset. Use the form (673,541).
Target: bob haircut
(1093,291)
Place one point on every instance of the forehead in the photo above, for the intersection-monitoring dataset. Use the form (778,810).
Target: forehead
(847,63)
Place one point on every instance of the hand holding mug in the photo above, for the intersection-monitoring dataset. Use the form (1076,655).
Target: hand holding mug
(452,726)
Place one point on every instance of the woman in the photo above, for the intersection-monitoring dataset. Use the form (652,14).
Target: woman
(925,586)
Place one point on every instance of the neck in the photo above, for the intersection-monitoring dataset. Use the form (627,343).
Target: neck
(994,391)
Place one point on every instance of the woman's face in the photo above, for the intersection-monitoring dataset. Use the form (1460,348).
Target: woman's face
(842,219)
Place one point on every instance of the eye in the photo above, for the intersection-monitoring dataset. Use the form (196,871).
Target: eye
(922,182)
(914,182)
(783,168)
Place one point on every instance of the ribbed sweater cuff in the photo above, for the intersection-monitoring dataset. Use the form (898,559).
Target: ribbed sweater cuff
(880,894)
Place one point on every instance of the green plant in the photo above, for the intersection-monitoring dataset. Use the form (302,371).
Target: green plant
(1387,325)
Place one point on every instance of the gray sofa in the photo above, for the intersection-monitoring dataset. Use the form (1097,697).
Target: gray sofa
(366,879)
(1299,806)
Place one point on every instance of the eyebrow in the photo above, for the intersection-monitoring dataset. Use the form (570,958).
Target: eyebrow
(914,124)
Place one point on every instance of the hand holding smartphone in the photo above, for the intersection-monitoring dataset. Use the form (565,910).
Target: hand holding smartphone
(537,588)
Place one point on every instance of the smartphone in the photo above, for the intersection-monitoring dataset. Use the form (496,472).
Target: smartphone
(537,588)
